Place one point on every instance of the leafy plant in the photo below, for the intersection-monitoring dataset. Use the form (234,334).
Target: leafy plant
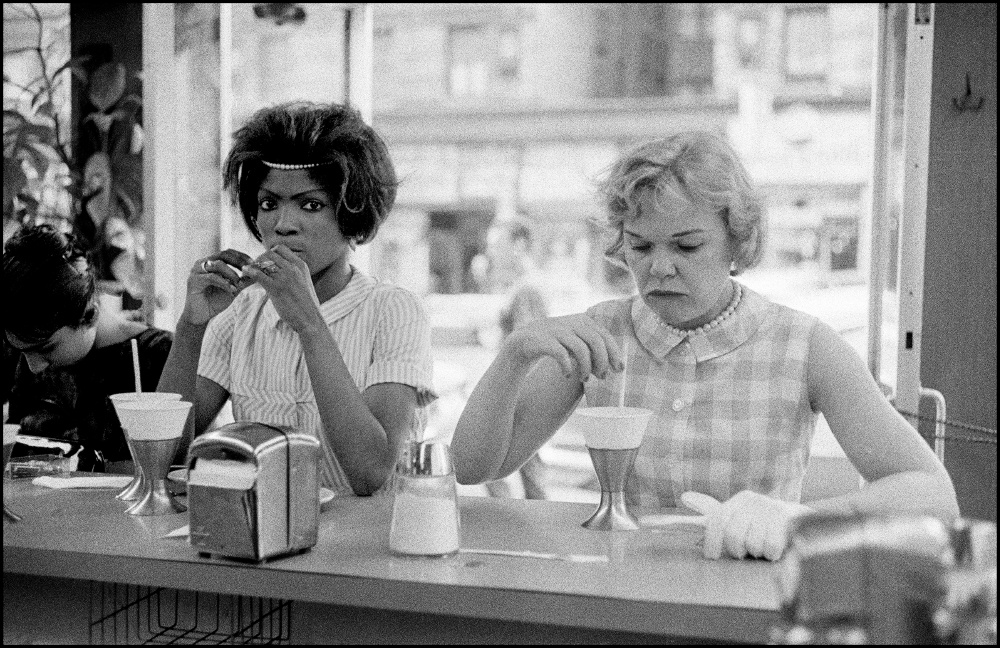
(38,148)
(116,138)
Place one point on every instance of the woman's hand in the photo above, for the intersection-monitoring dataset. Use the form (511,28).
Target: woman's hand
(213,284)
(576,342)
(288,283)
(747,524)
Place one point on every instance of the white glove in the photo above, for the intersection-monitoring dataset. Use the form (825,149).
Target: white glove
(748,523)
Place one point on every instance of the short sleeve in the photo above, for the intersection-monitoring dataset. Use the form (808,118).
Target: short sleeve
(402,349)
(217,349)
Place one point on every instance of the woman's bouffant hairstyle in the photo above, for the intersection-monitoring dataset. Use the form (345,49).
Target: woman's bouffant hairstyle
(47,284)
(706,170)
(354,165)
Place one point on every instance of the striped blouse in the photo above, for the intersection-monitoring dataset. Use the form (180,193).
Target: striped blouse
(731,407)
(382,333)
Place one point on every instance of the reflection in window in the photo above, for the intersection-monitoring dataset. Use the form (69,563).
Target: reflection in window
(496,201)
(749,39)
(689,49)
(690,17)
(483,59)
(509,55)
(469,61)
(653,50)
(807,42)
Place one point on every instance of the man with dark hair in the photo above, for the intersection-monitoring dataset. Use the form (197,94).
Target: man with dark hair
(71,354)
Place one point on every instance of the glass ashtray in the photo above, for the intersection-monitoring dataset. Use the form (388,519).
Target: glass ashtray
(38,465)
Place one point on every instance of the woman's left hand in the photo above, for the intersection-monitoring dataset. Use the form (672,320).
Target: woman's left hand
(747,524)
(289,285)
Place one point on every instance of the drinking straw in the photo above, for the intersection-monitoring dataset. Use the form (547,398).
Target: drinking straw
(135,365)
(621,393)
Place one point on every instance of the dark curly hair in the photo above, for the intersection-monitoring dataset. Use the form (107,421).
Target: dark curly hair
(356,171)
(48,283)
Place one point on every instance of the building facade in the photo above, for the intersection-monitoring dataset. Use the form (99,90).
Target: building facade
(500,116)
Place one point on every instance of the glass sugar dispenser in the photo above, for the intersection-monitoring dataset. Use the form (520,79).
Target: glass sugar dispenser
(425,518)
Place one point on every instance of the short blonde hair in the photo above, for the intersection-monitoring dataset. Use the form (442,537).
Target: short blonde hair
(706,170)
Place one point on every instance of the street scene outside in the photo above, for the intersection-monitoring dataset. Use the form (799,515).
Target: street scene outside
(501,117)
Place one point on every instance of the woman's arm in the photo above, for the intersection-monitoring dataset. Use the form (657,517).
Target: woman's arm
(180,375)
(212,286)
(511,413)
(528,392)
(903,474)
(365,431)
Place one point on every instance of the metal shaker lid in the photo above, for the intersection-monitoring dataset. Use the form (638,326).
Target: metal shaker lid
(426,458)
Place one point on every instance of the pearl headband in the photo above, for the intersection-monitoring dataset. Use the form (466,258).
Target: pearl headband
(292,167)
(280,166)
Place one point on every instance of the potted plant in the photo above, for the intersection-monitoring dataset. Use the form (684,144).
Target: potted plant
(110,210)
(100,197)
(38,171)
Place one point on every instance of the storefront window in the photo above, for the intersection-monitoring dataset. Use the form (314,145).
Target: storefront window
(807,39)
(469,64)
(501,192)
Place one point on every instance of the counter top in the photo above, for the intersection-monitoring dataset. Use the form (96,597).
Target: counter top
(654,582)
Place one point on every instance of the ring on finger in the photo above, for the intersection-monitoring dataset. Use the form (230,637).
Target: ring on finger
(204,266)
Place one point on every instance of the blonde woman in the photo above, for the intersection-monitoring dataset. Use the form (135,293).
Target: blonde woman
(736,382)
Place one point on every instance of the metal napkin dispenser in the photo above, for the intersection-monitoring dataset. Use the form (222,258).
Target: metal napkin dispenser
(253,491)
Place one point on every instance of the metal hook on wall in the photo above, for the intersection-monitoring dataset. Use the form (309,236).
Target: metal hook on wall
(965,103)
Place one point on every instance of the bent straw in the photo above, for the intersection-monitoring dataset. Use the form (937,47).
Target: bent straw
(135,365)
(621,393)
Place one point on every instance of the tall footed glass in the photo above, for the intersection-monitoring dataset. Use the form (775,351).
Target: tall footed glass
(613,436)
(10,432)
(131,492)
(154,428)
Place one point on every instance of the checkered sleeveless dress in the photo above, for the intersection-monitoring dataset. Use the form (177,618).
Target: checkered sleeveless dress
(730,405)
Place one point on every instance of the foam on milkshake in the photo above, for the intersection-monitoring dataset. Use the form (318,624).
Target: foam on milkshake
(613,428)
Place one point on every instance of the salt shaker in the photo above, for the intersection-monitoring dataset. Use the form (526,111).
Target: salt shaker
(425,520)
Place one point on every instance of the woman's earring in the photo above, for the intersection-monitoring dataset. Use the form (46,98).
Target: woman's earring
(732,269)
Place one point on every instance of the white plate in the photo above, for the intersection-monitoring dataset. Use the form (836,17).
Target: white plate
(180,475)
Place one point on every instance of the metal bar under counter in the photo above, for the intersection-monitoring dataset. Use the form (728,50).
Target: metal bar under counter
(654,586)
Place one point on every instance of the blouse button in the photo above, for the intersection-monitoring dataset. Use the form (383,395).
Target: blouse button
(678,405)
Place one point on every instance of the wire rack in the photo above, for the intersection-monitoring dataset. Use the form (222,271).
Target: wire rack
(132,614)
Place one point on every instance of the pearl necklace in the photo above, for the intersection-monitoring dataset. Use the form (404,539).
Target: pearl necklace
(722,317)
